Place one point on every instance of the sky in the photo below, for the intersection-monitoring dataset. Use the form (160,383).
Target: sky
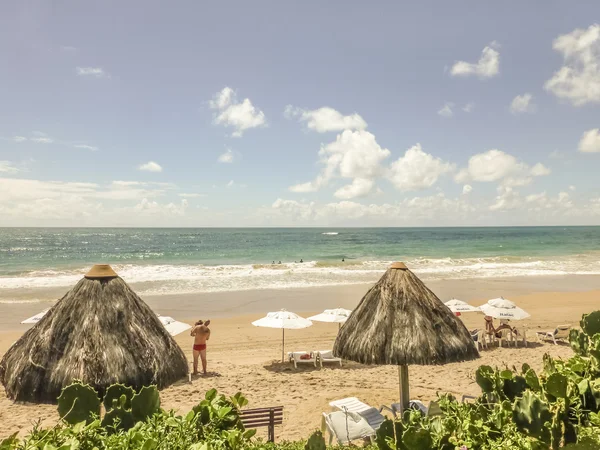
(337,113)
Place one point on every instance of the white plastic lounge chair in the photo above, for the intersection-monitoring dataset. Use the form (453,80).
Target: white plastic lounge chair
(345,427)
(326,356)
(372,415)
(432,410)
(302,358)
(506,335)
(561,333)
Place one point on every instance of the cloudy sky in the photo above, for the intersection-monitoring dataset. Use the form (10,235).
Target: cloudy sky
(152,113)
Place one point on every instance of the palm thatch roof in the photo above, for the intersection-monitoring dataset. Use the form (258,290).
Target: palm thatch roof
(100,332)
(401,322)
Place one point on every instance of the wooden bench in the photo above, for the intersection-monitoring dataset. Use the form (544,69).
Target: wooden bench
(263,417)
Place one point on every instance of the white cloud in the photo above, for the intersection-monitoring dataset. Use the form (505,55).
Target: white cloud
(469,107)
(409,211)
(97,72)
(42,140)
(467,188)
(487,66)
(150,166)
(152,208)
(359,187)
(239,115)
(191,195)
(230,184)
(522,104)
(326,119)
(540,170)
(495,165)
(19,139)
(417,170)
(227,157)
(86,147)
(572,188)
(7,167)
(446,110)
(590,141)
(506,200)
(354,155)
(578,80)
(556,154)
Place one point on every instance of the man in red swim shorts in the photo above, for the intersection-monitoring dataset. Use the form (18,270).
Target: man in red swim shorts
(201,334)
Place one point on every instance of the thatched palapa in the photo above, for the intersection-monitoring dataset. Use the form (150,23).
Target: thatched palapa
(100,332)
(401,322)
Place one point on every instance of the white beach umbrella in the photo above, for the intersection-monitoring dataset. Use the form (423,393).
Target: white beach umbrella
(458,306)
(500,308)
(285,320)
(37,317)
(338,315)
(172,326)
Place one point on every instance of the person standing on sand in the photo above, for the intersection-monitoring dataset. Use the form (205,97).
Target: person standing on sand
(201,334)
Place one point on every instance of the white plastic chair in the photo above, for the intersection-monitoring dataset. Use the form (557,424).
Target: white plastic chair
(326,356)
(506,335)
(479,339)
(345,427)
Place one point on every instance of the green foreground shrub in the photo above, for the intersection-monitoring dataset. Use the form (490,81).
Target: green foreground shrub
(518,410)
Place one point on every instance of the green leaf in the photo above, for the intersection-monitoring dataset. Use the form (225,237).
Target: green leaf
(145,403)
(556,385)
(78,403)
(417,439)
(590,323)
(484,376)
(532,380)
(211,395)
(150,444)
(115,392)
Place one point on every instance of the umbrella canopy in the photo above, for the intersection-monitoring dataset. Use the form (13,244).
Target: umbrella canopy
(37,317)
(401,322)
(285,320)
(458,306)
(338,315)
(500,308)
(100,332)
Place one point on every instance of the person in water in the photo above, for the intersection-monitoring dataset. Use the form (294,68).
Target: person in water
(201,334)
(301,261)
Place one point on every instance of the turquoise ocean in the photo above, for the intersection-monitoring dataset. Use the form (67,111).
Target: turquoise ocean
(184,260)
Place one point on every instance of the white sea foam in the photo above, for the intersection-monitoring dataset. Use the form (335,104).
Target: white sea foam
(330,233)
(170,279)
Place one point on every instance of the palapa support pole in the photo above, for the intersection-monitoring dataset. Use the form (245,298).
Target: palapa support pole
(282,344)
(403,386)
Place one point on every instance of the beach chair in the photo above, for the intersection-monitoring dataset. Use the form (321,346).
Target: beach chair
(431,411)
(326,356)
(479,339)
(520,335)
(372,415)
(345,427)
(560,333)
(506,335)
(302,358)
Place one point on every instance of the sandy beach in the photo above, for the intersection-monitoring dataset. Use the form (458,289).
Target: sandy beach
(244,358)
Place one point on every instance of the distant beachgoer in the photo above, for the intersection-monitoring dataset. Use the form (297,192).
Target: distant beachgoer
(201,334)
(279,262)
(301,261)
(343,260)
(273,262)
(504,326)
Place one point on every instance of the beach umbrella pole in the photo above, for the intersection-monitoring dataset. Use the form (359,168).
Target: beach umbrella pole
(403,387)
(282,344)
